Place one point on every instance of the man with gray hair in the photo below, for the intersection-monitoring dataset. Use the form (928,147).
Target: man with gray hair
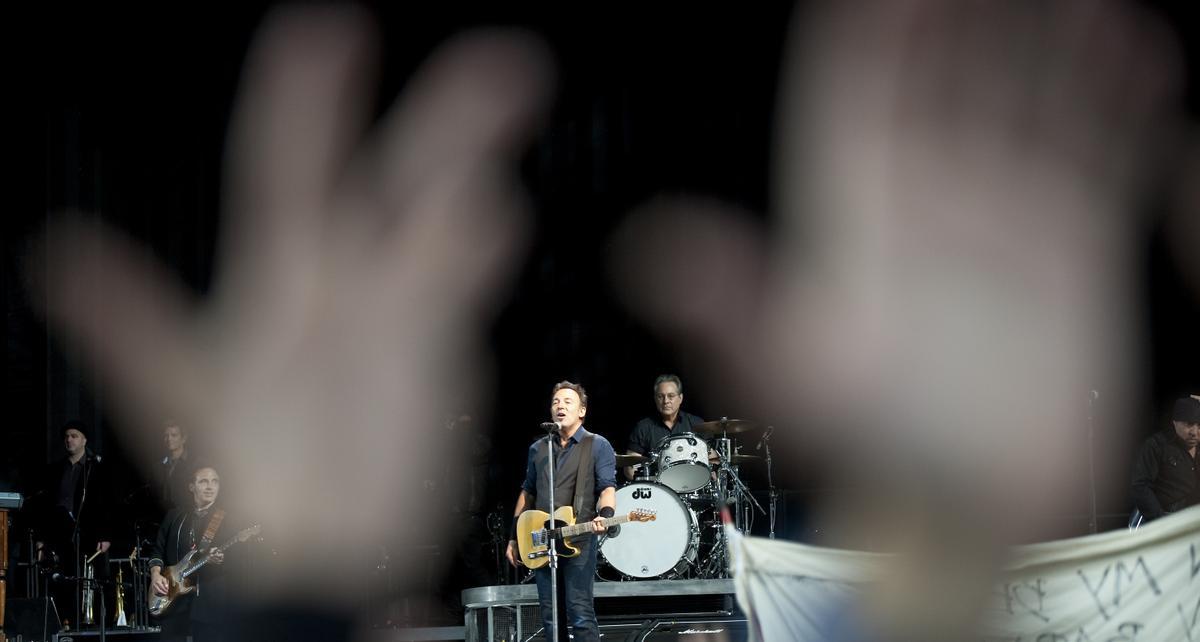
(671,420)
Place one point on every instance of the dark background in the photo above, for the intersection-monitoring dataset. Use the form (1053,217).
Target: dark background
(671,99)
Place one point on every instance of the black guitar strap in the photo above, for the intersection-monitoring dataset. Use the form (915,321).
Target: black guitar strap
(585,477)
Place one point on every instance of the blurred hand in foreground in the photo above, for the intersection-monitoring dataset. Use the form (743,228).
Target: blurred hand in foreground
(357,275)
(952,270)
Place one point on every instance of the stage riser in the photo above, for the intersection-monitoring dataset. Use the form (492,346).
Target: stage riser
(652,610)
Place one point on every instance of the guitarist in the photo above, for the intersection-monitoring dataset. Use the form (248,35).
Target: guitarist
(199,613)
(585,470)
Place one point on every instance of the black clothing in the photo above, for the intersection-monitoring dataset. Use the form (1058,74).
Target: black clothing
(173,477)
(65,502)
(208,604)
(1166,478)
(651,430)
(72,500)
(567,465)
(594,471)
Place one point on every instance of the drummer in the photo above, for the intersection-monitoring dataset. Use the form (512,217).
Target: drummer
(670,420)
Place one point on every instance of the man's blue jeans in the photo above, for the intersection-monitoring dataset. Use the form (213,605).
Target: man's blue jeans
(575,580)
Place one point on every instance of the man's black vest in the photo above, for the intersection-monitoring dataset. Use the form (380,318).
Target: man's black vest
(574,479)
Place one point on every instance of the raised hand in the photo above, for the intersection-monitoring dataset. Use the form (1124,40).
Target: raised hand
(951,270)
(357,274)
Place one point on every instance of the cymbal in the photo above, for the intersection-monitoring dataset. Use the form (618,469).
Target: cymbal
(743,459)
(724,426)
(631,460)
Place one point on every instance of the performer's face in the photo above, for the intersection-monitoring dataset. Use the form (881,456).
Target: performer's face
(667,398)
(74,441)
(205,487)
(173,438)
(566,409)
(1188,432)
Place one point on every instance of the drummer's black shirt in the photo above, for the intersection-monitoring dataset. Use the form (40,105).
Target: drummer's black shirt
(651,430)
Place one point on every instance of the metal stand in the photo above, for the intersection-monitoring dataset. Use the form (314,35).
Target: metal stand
(553,550)
(727,475)
(76,534)
(1092,519)
(774,494)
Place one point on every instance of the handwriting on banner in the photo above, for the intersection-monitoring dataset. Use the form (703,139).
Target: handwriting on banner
(1102,589)
(1195,563)
(1189,623)
(1146,596)
(1026,597)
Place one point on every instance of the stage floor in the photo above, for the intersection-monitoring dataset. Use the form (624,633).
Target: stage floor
(633,610)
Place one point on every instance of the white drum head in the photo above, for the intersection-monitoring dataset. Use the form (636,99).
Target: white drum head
(652,549)
(683,462)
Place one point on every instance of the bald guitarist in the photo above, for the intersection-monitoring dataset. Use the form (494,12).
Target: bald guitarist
(585,471)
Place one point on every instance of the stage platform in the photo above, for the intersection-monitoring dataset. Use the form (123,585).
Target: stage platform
(634,611)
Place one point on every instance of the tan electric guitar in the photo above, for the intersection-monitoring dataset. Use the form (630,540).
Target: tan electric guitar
(179,575)
(533,536)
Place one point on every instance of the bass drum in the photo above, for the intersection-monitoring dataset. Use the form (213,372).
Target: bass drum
(663,548)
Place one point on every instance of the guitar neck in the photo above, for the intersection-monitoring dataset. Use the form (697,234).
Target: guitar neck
(207,556)
(586,527)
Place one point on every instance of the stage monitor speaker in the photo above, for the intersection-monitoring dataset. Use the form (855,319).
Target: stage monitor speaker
(31,618)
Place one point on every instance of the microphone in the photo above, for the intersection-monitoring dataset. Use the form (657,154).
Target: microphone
(551,426)
(766,435)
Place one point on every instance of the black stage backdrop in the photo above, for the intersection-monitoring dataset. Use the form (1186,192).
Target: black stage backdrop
(670,99)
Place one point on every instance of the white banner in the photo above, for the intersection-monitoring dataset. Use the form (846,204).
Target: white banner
(1111,587)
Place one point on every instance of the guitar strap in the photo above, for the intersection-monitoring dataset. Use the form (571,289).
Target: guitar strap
(585,477)
(210,531)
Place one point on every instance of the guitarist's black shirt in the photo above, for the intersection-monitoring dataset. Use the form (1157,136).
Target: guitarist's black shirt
(601,470)
(180,530)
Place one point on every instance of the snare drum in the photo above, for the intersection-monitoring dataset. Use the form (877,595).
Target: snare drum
(683,462)
(662,548)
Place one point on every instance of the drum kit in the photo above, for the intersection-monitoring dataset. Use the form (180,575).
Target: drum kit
(686,481)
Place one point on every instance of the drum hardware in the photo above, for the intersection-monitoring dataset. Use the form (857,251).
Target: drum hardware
(716,563)
(774,494)
(643,472)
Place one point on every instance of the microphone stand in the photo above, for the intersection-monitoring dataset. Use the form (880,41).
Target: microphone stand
(76,534)
(553,550)
(773,494)
(1092,397)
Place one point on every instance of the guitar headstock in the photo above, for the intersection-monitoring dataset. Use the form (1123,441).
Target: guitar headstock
(642,515)
(247,533)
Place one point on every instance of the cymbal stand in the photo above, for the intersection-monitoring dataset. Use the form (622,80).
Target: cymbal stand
(774,494)
(740,488)
(716,565)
